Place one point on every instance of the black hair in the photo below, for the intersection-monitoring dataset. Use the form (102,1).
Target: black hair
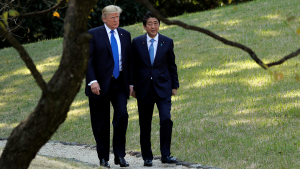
(147,16)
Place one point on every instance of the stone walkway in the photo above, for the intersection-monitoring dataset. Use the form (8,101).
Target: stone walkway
(87,154)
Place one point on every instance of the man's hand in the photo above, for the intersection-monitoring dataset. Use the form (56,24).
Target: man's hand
(130,90)
(133,94)
(95,88)
(174,92)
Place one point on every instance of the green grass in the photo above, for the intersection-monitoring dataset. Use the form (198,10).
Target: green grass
(229,112)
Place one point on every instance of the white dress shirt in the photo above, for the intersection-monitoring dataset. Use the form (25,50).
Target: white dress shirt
(155,43)
(116,35)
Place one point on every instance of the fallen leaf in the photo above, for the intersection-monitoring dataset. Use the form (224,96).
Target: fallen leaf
(298,31)
(297,77)
(291,18)
(278,76)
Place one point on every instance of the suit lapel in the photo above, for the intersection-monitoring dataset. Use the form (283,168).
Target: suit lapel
(145,48)
(159,47)
(105,39)
(121,42)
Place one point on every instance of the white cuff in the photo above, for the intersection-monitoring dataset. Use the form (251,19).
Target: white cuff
(92,82)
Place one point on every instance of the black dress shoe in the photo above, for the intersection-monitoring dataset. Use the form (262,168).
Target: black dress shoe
(104,163)
(148,163)
(168,159)
(121,161)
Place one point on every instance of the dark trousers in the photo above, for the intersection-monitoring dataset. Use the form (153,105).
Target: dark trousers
(100,118)
(145,108)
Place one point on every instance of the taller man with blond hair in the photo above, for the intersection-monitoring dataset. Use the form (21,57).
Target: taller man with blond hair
(108,80)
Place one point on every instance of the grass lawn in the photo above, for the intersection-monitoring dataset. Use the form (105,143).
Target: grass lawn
(228,113)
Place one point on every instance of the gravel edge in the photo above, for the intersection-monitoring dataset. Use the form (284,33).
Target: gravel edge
(131,153)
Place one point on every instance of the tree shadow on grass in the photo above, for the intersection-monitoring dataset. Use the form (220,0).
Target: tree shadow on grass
(228,113)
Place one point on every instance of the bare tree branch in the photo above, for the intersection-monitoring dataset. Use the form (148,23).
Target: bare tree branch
(26,58)
(290,56)
(217,37)
(44,11)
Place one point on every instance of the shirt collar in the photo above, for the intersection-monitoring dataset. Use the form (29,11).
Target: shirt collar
(148,38)
(108,30)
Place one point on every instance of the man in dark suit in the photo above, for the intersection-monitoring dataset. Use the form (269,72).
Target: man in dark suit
(155,81)
(108,81)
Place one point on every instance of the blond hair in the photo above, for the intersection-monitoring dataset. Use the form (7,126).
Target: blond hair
(110,9)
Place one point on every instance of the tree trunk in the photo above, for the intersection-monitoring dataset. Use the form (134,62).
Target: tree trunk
(33,132)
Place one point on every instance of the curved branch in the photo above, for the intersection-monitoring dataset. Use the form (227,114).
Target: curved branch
(217,37)
(44,11)
(26,58)
(292,55)
(202,30)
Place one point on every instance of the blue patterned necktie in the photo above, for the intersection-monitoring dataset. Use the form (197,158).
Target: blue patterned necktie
(114,48)
(151,52)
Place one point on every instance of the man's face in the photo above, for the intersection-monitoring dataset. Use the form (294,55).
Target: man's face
(152,27)
(112,20)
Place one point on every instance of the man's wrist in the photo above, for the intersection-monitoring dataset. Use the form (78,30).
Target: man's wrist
(93,81)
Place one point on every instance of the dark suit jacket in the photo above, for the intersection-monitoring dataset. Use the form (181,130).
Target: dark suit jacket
(163,72)
(101,62)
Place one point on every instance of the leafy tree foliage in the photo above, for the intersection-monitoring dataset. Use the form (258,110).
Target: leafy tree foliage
(33,29)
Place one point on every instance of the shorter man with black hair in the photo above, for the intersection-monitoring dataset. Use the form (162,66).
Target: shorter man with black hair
(155,81)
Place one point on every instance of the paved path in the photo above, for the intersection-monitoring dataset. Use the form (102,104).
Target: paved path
(88,155)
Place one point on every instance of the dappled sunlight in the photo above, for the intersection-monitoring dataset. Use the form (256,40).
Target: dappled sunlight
(164,26)
(180,96)
(50,63)
(2,104)
(239,122)
(202,83)
(249,64)
(263,138)
(206,24)
(8,125)
(271,16)
(11,90)
(231,22)
(189,65)
(22,71)
(258,81)
(245,111)
(218,72)
(292,94)
(3,77)
(44,65)
(267,33)
(230,68)
(76,113)
(78,103)
(228,109)
(132,106)
(133,117)
(263,121)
